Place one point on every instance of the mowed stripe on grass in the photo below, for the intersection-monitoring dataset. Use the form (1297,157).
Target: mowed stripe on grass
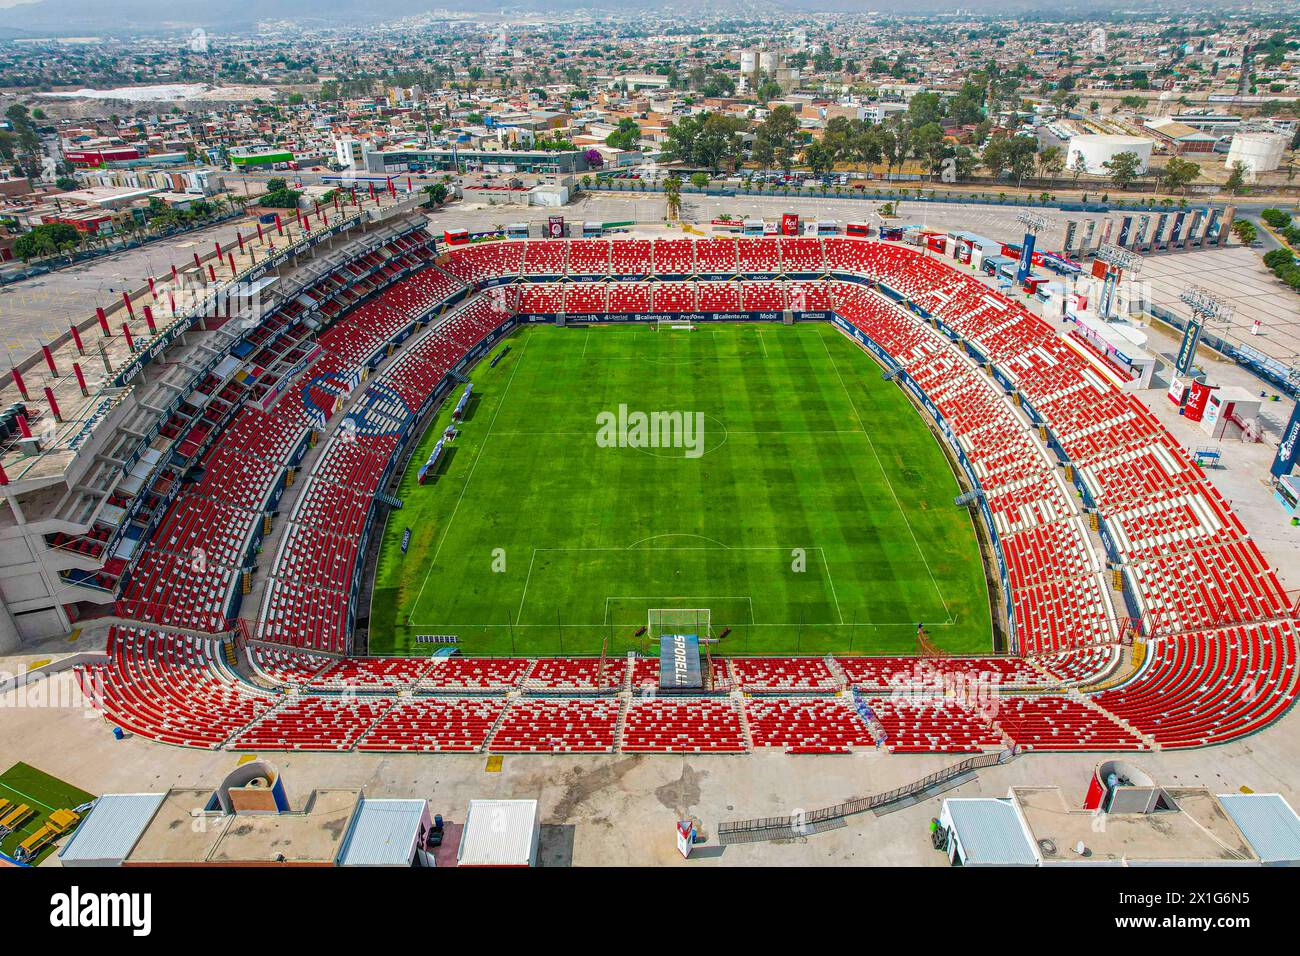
(819,517)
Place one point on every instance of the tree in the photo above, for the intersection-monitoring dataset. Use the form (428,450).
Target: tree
(1236,178)
(1013,154)
(893,148)
(767,90)
(928,146)
(1245,231)
(625,136)
(819,157)
(774,140)
(706,139)
(923,109)
(1050,162)
(46,240)
(1024,155)
(1078,167)
(1180,173)
(967,107)
(67,183)
(278,199)
(437,193)
(700,180)
(673,195)
(1123,168)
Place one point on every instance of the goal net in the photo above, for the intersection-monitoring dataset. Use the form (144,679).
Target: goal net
(669,323)
(678,620)
(679,633)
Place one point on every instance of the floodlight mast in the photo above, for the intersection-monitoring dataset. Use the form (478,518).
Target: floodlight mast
(1118,260)
(1033,223)
(1206,307)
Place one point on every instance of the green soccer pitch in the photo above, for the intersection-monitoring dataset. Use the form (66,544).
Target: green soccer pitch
(816,517)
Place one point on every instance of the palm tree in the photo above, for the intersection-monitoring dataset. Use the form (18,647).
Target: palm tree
(673,194)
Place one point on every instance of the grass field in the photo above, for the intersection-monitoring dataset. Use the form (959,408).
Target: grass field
(24,784)
(817,518)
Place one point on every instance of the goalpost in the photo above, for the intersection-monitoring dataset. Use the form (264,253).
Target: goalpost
(694,622)
(668,324)
(678,620)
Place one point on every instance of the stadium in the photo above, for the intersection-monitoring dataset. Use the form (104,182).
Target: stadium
(894,510)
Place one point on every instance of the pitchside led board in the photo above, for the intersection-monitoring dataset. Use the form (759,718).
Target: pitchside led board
(679,662)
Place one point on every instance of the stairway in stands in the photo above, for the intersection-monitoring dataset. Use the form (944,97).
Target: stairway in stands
(1091,704)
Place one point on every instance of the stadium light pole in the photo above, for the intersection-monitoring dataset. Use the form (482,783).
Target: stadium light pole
(1206,307)
(1118,260)
(1034,223)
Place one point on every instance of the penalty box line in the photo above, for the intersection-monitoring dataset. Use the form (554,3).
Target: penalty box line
(749,601)
(830,580)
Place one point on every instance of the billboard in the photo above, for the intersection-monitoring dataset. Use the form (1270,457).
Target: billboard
(1288,449)
(1187,350)
(1197,400)
(1026,258)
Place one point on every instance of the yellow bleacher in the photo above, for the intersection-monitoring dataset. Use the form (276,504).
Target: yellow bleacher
(14,818)
(58,823)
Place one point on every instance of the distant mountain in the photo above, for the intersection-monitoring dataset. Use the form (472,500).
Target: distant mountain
(124,17)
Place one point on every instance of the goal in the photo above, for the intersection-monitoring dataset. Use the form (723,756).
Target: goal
(663,324)
(679,620)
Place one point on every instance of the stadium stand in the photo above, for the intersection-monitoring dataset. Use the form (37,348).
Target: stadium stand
(929,724)
(314,723)
(435,724)
(171,688)
(716,256)
(1218,630)
(577,674)
(683,725)
(674,256)
(760,675)
(589,257)
(806,725)
(631,257)
(557,725)
(628,297)
(475,674)
(545,258)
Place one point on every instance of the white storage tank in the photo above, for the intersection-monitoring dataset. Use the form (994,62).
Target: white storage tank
(1097,148)
(1258,152)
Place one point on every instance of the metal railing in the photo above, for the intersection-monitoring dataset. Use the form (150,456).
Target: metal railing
(745,830)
